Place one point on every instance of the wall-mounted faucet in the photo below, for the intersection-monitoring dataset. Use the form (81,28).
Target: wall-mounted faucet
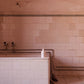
(6,45)
(13,45)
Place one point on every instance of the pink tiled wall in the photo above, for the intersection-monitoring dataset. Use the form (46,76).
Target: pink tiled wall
(63,34)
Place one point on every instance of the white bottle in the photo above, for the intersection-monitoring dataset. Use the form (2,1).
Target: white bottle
(43,54)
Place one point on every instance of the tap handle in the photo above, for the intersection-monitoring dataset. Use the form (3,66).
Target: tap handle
(12,43)
(5,43)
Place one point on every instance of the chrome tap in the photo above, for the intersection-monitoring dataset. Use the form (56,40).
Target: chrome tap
(6,45)
(13,45)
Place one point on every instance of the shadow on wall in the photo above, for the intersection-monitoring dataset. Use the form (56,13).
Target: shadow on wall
(19,34)
(23,34)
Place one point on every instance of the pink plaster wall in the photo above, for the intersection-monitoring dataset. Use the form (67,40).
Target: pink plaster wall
(42,6)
